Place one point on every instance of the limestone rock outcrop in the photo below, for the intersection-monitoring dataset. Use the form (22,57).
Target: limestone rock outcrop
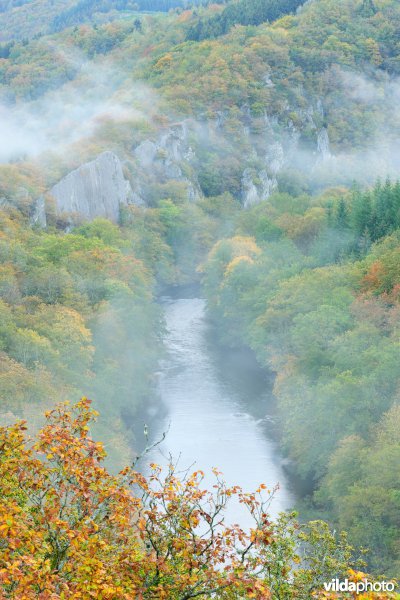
(38,216)
(256,187)
(168,158)
(95,189)
(323,143)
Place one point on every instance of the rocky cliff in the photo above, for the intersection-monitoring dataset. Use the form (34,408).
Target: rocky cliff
(38,216)
(168,158)
(96,189)
(99,188)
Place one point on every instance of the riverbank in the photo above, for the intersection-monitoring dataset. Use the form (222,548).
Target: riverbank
(217,407)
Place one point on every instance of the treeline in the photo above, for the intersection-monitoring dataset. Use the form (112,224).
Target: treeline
(241,12)
(320,307)
(376,212)
(84,9)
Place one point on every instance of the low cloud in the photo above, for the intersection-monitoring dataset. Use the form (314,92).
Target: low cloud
(73,112)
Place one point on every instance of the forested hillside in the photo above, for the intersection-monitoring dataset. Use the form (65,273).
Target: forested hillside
(71,310)
(78,310)
(252,147)
(244,12)
(84,10)
(26,19)
(301,284)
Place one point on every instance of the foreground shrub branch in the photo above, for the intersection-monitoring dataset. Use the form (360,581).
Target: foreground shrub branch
(70,529)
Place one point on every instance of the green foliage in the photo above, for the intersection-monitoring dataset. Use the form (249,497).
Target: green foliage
(77,313)
(376,213)
(241,12)
(363,486)
(331,335)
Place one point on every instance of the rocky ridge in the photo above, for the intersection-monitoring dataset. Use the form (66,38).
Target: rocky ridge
(95,189)
(99,188)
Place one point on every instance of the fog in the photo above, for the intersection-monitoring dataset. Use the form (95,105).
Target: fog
(74,112)
(103,93)
(370,104)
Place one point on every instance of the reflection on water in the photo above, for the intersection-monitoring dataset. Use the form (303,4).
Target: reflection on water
(217,408)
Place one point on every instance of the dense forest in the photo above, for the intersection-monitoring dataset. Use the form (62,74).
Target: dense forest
(68,311)
(84,10)
(304,285)
(244,12)
(27,19)
(255,148)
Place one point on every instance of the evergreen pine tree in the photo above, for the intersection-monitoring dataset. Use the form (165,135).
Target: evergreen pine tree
(368,8)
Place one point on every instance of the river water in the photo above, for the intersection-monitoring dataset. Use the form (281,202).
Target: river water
(218,407)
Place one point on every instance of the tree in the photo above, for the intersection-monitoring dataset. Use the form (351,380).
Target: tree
(374,497)
(71,530)
(341,214)
(368,8)
(137,23)
(243,12)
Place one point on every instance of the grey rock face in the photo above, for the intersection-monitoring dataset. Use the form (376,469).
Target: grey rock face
(283,147)
(171,147)
(249,190)
(38,217)
(146,153)
(256,187)
(268,185)
(163,160)
(268,81)
(323,145)
(96,189)
(275,158)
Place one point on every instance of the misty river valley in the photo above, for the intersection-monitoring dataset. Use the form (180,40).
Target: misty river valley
(199,299)
(217,408)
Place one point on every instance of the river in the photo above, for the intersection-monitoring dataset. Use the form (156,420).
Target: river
(218,406)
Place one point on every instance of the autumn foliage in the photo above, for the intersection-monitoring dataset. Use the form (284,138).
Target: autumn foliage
(69,529)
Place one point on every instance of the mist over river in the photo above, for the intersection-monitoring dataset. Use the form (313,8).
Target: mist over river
(218,406)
